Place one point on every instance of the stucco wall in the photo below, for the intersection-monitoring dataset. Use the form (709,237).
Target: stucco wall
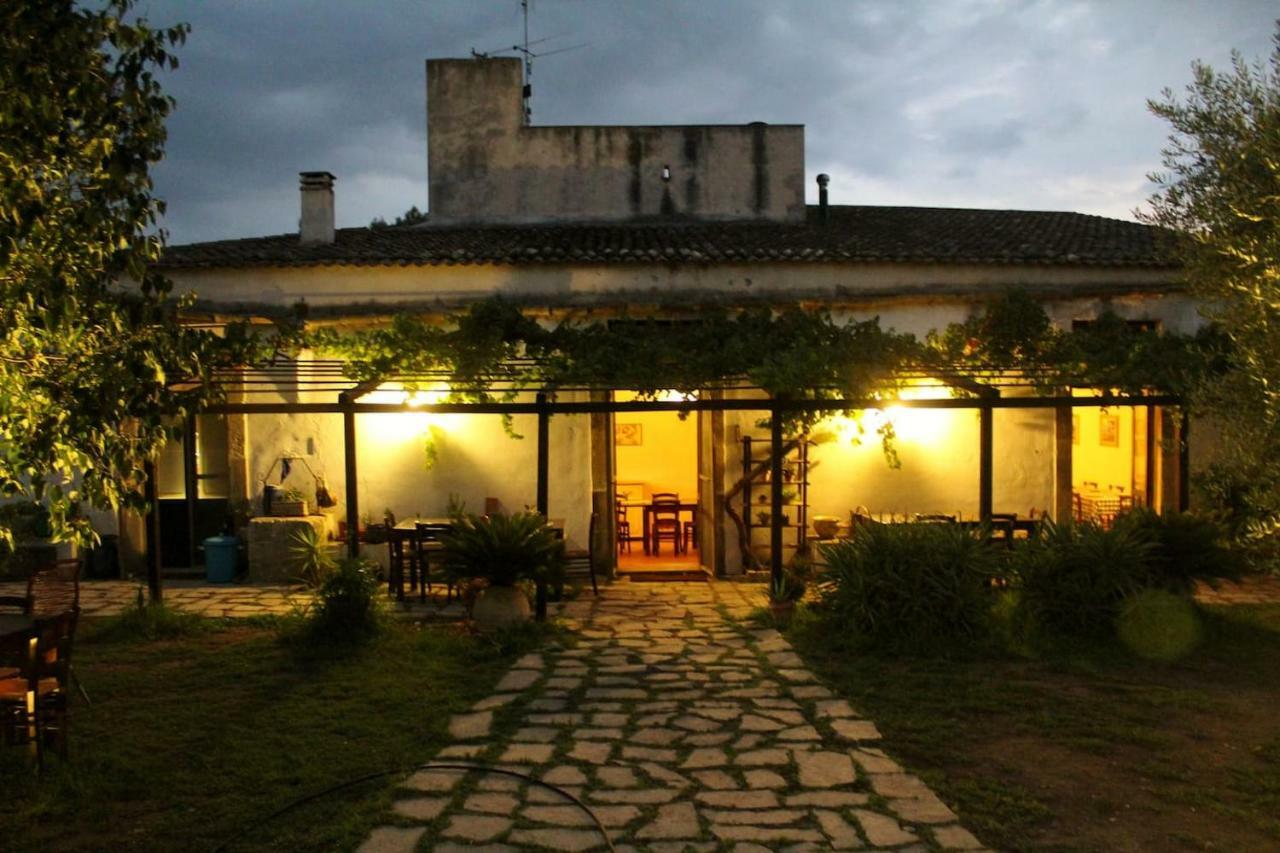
(476,459)
(486,165)
(890,290)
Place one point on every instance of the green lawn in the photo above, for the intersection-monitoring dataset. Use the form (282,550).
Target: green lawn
(192,738)
(1096,752)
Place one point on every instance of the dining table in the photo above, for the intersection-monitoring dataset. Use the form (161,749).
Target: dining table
(648,509)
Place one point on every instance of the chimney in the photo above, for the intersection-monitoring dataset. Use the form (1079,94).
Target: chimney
(823,180)
(316,225)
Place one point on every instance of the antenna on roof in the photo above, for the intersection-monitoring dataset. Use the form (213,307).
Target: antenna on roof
(525,50)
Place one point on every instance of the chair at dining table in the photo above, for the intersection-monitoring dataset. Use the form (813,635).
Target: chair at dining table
(52,588)
(34,704)
(664,523)
(624,527)
(429,551)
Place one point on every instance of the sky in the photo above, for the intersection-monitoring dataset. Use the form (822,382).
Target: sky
(1028,104)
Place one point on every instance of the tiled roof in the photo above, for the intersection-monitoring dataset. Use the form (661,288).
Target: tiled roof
(852,234)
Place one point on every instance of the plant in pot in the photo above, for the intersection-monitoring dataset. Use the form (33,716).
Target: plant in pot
(783,595)
(502,551)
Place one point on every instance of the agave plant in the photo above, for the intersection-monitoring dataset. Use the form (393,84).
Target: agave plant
(504,549)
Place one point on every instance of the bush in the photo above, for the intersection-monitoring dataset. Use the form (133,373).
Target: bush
(1074,579)
(1187,549)
(347,606)
(504,549)
(910,587)
(313,557)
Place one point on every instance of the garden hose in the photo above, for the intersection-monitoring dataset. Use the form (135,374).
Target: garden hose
(429,766)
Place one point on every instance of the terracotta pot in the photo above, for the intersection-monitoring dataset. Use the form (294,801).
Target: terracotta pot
(499,607)
(826,526)
(782,610)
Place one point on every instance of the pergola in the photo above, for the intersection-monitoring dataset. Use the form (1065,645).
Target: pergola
(982,390)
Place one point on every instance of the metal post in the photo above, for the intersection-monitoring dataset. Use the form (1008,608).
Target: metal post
(775,484)
(353,500)
(985,463)
(544,430)
(155,583)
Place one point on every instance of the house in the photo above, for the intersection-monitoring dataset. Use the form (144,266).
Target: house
(603,223)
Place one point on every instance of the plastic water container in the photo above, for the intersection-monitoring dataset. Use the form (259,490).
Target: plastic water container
(220,558)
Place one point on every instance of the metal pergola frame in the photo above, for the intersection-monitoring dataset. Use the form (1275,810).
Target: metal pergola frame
(983,387)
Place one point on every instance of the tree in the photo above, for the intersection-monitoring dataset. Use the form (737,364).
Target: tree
(412,216)
(1220,197)
(90,344)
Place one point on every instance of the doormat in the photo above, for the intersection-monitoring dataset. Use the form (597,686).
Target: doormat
(668,576)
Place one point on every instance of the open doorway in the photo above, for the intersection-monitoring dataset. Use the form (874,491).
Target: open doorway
(656,488)
(1112,461)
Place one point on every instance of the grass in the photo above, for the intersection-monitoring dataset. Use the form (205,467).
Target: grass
(1092,749)
(199,728)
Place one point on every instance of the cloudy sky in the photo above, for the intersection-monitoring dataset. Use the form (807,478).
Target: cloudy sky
(982,103)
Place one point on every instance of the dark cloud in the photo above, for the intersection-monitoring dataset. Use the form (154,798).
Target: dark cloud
(968,102)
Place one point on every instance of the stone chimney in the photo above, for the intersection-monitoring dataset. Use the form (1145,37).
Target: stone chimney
(316,225)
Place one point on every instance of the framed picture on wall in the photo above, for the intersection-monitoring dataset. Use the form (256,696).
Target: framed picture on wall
(1108,430)
(1075,429)
(628,435)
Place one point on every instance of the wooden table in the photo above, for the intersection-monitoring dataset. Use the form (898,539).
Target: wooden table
(15,625)
(649,508)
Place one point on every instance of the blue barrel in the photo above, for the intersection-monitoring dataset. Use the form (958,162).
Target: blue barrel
(220,557)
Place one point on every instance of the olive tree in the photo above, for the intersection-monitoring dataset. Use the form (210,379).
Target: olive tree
(1219,195)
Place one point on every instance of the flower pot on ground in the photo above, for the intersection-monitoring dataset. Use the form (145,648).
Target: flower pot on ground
(783,595)
(503,550)
(498,607)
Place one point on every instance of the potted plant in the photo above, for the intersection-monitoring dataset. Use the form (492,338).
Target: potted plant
(783,595)
(763,518)
(502,551)
(289,503)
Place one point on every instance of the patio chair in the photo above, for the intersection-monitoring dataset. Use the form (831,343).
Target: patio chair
(403,555)
(34,703)
(427,544)
(51,589)
(664,521)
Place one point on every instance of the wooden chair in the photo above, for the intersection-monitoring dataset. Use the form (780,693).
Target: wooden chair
(624,528)
(51,589)
(427,544)
(665,521)
(577,560)
(34,705)
(403,555)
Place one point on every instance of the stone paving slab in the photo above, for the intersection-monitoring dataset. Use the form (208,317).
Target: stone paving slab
(681,729)
(111,597)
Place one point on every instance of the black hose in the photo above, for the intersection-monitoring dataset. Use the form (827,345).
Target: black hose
(430,765)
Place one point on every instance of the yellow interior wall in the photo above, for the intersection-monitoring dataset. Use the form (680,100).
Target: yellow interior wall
(666,461)
(1106,466)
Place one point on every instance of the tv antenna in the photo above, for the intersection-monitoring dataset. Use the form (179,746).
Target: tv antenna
(526,50)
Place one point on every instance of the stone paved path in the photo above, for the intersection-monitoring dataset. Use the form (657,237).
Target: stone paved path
(681,731)
(109,597)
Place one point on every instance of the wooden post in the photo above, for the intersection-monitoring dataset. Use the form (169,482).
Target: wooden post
(1063,510)
(1184,460)
(353,499)
(544,437)
(713,526)
(190,485)
(985,441)
(775,478)
(155,582)
(604,547)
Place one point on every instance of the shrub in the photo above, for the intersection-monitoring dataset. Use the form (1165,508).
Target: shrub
(347,606)
(504,549)
(910,587)
(1074,578)
(1188,549)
